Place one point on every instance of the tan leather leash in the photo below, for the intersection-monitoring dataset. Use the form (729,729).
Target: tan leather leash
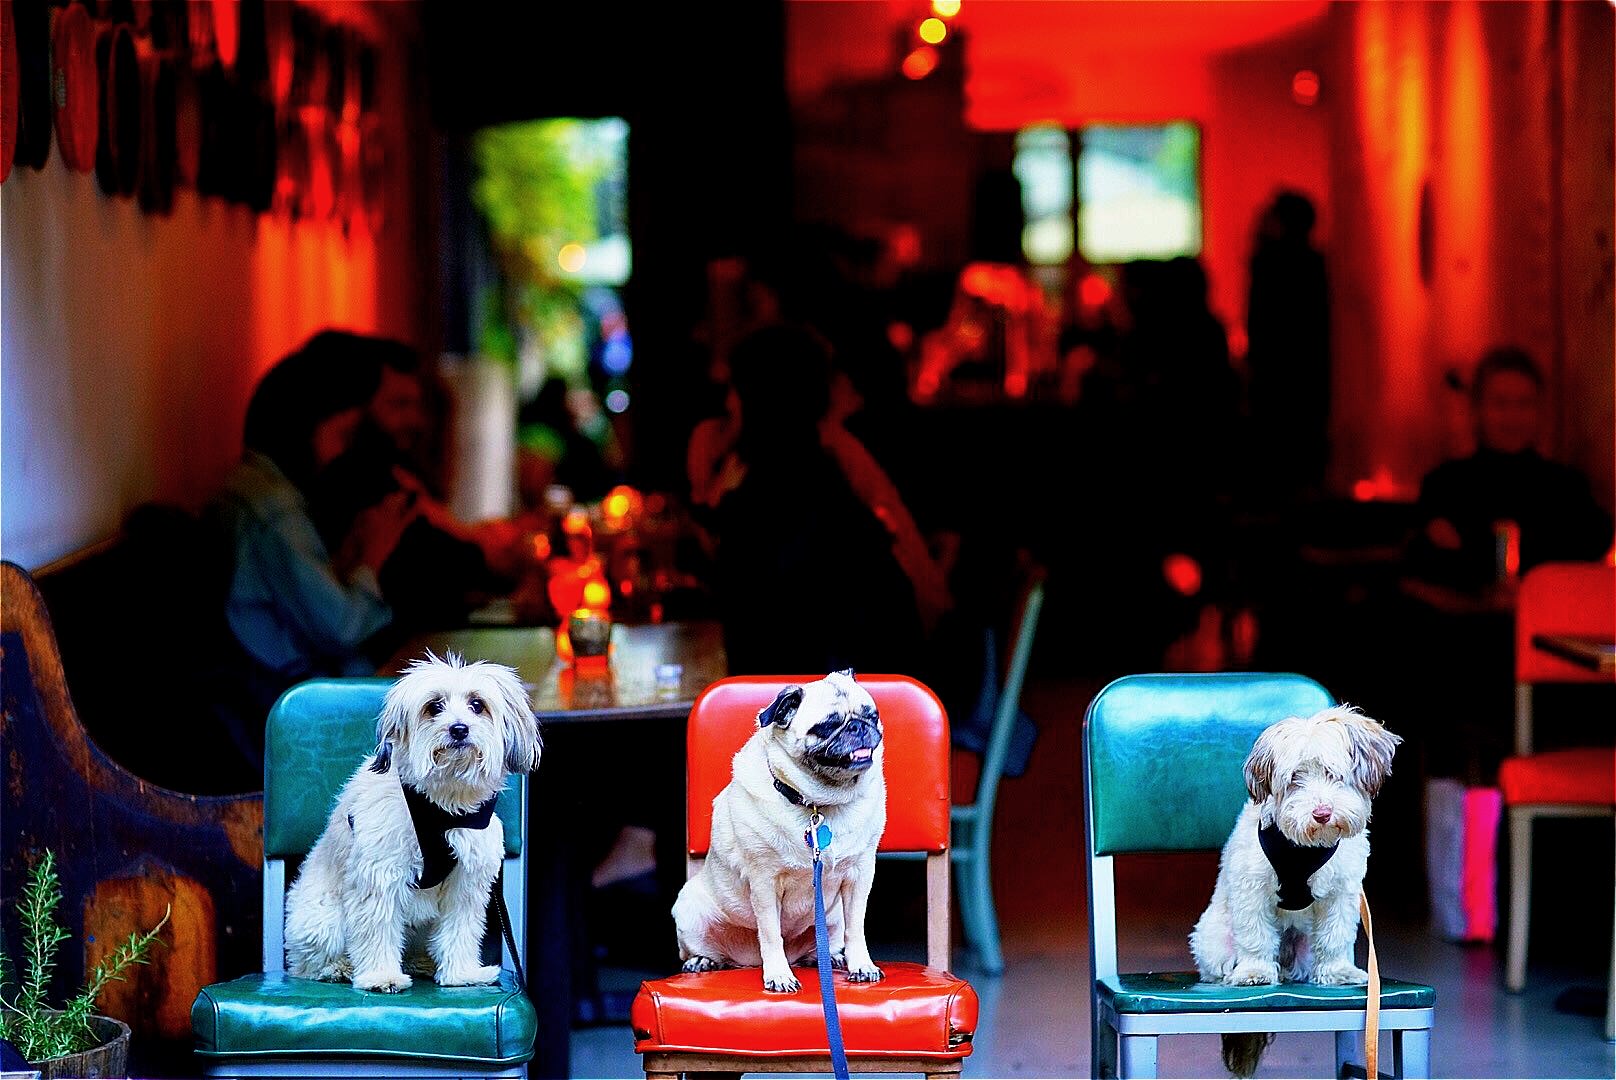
(1372,1006)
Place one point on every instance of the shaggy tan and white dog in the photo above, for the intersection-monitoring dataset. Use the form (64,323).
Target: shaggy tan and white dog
(1286,900)
(448,734)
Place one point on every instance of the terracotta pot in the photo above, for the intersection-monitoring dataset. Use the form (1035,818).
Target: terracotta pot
(111,1058)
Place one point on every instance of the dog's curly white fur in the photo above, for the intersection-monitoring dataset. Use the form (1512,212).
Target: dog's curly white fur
(1314,779)
(452,730)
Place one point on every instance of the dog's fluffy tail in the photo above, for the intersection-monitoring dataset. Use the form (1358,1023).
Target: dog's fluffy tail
(1242,1052)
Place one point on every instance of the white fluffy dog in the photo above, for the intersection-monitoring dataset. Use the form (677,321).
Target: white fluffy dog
(1286,900)
(416,847)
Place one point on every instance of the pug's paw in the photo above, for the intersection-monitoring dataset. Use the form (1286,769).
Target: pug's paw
(697,964)
(780,982)
(866,974)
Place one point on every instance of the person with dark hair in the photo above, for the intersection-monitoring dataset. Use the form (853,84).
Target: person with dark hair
(1288,346)
(807,579)
(1505,484)
(297,609)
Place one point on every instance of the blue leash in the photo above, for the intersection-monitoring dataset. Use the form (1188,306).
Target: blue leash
(818,837)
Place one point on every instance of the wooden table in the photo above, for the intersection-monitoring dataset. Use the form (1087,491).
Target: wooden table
(1595,654)
(576,709)
(626,690)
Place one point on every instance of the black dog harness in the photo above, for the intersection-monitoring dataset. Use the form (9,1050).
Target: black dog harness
(1294,864)
(432,824)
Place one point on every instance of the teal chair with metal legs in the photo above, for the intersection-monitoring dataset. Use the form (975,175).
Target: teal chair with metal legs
(972,823)
(1163,759)
(272,1025)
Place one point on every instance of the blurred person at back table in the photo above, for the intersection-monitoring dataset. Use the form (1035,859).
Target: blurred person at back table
(442,567)
(807,575)
(1288,350)
(1506,484)
(297,609)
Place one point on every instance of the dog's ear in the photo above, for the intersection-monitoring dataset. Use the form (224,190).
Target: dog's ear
(1260,767)
(1372,750)
(847,671)
(523,744)
(780,711)
(392,725)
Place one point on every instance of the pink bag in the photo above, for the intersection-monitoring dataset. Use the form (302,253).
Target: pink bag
(1461,859)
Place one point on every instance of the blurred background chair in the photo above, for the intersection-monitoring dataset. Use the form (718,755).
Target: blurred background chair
(972,823)
(1163,761)
(271,1024)
(1578,600)
(919,1018)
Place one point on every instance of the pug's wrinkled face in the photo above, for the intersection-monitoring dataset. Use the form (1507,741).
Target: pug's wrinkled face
(830,727)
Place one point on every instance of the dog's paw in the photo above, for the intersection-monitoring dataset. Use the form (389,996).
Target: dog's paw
(1253,973)
(865,974)
(777,983)
(1342,974)
(697,964)
(482,975)
(383,982)
(838,961)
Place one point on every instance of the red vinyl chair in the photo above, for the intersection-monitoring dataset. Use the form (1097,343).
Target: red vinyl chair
(1555,599)
(919,1019)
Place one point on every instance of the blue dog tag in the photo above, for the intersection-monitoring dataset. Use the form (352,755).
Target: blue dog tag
(817,840)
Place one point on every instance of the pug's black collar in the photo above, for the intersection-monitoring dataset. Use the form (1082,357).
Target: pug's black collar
(432,824)
(792,795)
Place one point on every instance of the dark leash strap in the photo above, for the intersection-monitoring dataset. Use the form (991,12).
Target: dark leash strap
(505,927)
(827,981)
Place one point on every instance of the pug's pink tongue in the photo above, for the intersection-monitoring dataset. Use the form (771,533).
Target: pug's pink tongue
(861,753)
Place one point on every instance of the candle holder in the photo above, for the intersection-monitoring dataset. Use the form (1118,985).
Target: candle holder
(589,635)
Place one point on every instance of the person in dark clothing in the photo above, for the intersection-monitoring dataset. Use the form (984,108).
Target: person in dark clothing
(1288,346)
(1505,480)
(438,572)
(806,577)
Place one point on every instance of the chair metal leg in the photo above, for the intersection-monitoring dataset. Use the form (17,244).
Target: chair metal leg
(977,912)
(1137,1056)
(1348,1051)
(1103,1049)
(1610,995)
(1411,1053)
(1520,897)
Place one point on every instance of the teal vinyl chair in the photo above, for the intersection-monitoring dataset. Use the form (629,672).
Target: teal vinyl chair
(972,824)
(1163,770)
(274,1025)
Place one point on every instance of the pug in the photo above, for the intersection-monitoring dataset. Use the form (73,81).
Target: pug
(817,749)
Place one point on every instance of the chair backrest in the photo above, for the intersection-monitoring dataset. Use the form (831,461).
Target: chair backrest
(1163,769)
(1008,706)
(317,734)
(915,732)
(1562,598)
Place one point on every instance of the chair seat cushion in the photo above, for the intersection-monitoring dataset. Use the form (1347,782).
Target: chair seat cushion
(1586,776)
(914,1011)
(1183,991)
(276,1016)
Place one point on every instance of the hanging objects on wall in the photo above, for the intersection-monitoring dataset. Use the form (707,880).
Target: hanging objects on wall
(75,87)
(117,155)
(9,87)
(32,23)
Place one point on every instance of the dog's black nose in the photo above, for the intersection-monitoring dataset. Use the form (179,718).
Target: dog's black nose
(458,732)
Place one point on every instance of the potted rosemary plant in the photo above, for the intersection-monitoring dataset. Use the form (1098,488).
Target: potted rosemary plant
(73,1040)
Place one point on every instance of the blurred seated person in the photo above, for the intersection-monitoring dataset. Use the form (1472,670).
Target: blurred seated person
(297,608)
(442,568)
(1505,480)
(716,467)
(807,578)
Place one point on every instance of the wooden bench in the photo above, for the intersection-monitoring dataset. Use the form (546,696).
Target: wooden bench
(126,847)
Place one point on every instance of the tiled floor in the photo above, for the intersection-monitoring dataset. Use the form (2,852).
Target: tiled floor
(1035,1017)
